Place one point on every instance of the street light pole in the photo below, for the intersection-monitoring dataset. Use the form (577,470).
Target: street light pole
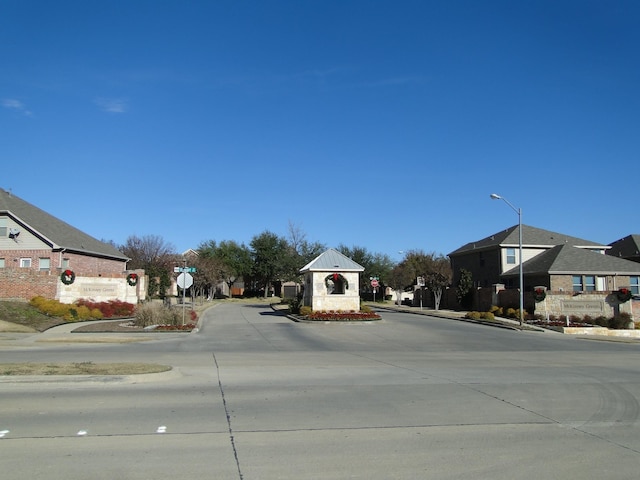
(495,196)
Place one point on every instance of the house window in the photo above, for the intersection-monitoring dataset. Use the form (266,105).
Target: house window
(25,263)
(44,264)
(65,263)
(634,284)
(1,262)
(590,283)
(577,283)
(511,256)
(3,227)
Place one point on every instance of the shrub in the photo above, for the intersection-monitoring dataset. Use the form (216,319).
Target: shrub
(295,304)
(145,314)
(68,312)
(112,308)
(601,321)
(620,321)
(496,310)
(473,315)
(487,316)
(575,319)
(511,313)
(305,310)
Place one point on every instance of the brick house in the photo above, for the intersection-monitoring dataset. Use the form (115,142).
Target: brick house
(573,270)
(627,248)
(36,248)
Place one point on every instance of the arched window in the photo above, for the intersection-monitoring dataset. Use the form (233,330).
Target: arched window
(336,284)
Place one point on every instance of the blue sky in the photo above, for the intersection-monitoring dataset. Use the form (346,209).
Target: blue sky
(383,124)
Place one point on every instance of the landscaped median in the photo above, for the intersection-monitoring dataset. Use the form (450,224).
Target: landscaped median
(81,368)
(305,314)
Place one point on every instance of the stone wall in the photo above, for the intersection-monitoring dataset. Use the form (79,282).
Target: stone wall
(593,304)
(25,283)
(100,289)
(317,297)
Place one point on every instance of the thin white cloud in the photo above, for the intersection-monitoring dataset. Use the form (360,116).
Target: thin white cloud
(112,105)
(16,105)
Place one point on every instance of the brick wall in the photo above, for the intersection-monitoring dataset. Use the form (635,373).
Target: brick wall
(26,283)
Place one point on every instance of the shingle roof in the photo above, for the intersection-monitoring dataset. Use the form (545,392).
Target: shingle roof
(531,236)
(567,259)
(627,247)
(332,260)
(53,231)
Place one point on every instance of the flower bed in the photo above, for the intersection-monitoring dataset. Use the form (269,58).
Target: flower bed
(176,328)
(332,316)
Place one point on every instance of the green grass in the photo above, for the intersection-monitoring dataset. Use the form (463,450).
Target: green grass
(24,314)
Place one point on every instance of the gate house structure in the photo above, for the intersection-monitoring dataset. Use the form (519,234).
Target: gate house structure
(332,282)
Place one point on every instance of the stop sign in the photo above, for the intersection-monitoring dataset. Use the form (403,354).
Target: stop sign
(374,283)
(184,280)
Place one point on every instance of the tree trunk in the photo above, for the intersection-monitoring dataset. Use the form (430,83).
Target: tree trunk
(437,296)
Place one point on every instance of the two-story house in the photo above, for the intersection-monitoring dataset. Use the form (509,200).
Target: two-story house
(42,255)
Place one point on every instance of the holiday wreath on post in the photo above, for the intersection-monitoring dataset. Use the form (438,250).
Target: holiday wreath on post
(334,278)
(539,294)
(68,277)
(132,279)
(623,295)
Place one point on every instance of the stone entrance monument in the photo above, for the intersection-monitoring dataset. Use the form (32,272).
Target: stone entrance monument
(331,282)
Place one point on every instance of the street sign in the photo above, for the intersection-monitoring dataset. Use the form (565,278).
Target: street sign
(374,283)
(420,281)
(184,280)
(184,269)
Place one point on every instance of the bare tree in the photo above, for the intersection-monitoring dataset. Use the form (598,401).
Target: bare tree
(155,256)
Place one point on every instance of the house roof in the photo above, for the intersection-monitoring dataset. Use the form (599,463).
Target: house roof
(568,259)
(53,231)
(332,260)
(531,237)
(627,247)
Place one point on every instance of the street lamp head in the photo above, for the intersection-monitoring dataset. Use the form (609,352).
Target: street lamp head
(495,196)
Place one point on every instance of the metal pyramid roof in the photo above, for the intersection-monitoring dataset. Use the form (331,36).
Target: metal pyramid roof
(332,261)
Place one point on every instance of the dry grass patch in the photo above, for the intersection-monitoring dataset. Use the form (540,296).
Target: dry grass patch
(81,368)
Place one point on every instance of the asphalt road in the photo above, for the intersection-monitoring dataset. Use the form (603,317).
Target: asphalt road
(256,396)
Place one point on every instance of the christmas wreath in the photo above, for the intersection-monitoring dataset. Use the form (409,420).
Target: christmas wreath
(132,279)
(623,295)
(68,277)
(539,294)
(334,277)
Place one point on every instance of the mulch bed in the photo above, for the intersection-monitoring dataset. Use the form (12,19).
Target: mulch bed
(124,326)
(118,326)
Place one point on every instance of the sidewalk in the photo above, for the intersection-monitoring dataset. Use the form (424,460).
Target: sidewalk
(450,314)
(65,334)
